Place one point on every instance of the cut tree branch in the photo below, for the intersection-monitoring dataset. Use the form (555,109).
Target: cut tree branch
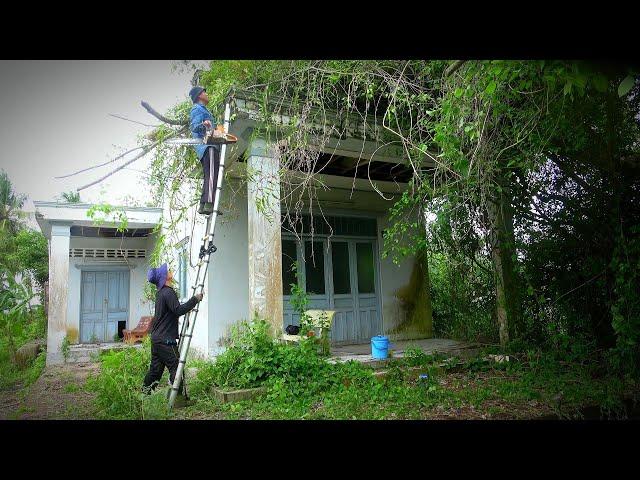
(161,117)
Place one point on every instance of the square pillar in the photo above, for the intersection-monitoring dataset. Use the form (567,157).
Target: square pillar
(58,290)
(264,236)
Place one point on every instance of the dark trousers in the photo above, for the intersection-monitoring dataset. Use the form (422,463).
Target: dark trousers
(210,163)
(162,356)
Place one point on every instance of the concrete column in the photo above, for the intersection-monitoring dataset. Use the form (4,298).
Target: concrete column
(265,246)
(58,290)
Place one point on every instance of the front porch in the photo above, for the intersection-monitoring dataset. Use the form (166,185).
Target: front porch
(362,352)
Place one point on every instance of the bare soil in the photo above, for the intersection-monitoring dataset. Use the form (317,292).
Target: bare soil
(57,395)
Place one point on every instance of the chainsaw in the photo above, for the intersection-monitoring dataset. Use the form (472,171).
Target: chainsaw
(218,136)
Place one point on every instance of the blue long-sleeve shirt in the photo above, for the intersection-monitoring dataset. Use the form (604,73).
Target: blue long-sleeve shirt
(199,114)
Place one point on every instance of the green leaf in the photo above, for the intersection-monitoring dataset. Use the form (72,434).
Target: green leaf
(626,85)
(458,93)
(600,83)
(491,87)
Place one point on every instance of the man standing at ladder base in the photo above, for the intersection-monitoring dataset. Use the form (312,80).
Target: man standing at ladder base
(209,155)
(164,328)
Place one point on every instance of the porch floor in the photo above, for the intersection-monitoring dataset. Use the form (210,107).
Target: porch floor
(362,352)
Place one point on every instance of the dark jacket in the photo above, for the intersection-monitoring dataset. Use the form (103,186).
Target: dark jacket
(168,309)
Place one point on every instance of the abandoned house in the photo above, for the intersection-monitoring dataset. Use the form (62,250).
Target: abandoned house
(97,274)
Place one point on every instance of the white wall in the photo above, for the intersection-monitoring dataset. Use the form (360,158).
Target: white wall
(228,285)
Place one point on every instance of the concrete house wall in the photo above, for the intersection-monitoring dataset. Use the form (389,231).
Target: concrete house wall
(245,273)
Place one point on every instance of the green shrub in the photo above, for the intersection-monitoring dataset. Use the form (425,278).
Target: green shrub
(252,357)
(118,386)
(25,328)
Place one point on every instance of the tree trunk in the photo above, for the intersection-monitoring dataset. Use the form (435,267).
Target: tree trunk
(502,254)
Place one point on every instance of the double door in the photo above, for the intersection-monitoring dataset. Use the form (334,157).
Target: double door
(104,302)
(338,274)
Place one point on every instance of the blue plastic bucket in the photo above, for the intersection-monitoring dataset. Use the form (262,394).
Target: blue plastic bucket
(379,347)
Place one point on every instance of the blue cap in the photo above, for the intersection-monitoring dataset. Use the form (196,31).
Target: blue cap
(158,276)
(195,92)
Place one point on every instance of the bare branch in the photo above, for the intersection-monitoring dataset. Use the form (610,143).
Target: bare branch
(101,164)
(133,121)
(145,150)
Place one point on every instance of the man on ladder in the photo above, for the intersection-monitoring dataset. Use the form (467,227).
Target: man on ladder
(208,155)
(206,141)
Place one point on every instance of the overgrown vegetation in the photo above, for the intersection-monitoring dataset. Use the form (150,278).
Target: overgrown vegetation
(524,200)
(26,327)
(23,271)
(118,387)
(302,385)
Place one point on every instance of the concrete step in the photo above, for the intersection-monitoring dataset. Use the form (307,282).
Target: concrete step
(90,353)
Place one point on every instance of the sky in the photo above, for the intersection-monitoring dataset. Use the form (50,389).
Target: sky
(55,120)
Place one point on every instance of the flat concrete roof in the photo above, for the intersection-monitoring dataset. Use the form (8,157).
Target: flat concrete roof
(75,214)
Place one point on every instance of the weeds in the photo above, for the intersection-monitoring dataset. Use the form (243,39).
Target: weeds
(300,384)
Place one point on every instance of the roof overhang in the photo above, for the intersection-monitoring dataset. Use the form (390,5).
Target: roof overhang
(76,215)
(365,139)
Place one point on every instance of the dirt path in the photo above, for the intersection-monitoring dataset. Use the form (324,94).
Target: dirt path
(57,395)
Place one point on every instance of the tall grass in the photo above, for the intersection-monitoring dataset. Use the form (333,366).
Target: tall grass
(118,386)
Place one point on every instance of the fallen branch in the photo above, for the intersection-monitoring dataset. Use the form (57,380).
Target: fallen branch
(145,150)
(161,117)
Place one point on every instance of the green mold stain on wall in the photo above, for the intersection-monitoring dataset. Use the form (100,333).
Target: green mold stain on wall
(72,334)
(415,301)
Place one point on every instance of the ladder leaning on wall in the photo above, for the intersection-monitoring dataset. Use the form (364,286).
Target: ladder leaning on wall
(206,249)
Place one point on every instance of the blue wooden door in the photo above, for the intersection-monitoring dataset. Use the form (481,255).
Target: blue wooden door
(104,302)
(338,274)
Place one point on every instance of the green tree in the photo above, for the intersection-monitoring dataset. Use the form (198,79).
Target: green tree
(14,306)
(10,204)
(32,254)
